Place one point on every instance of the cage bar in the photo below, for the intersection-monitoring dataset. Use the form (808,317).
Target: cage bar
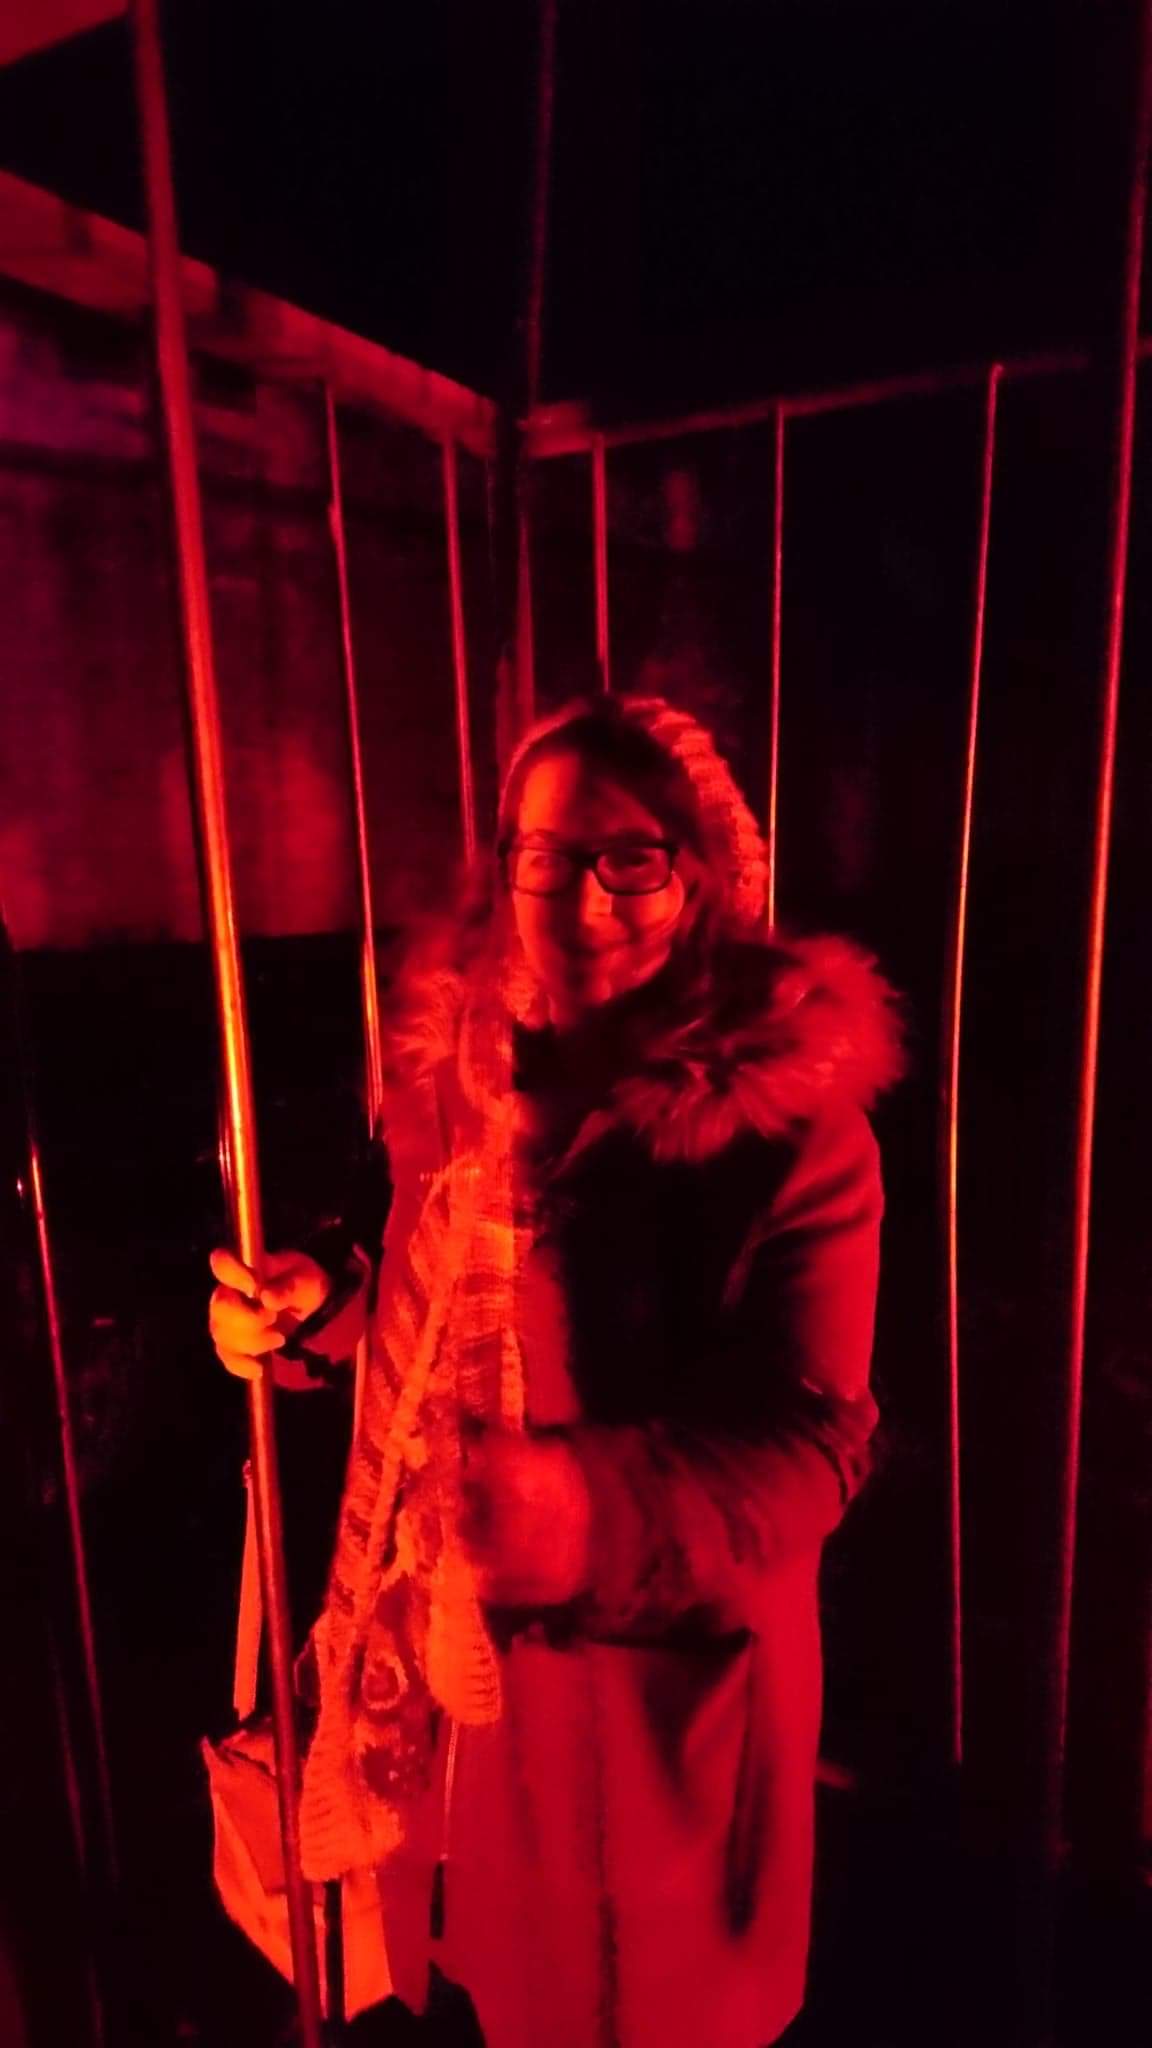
(369,974)
(459,651)
(953,1014)
(71,1489)
(369,981)
(775,676)
(600,553)
(211,814)
(1127,355)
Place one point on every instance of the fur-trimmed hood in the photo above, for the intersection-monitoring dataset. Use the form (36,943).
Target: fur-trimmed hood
(790,1028)
(794,1028)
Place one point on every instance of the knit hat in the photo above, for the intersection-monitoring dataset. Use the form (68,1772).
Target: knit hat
(731,840)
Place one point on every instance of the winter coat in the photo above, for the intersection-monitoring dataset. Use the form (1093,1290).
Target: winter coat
(630,1847)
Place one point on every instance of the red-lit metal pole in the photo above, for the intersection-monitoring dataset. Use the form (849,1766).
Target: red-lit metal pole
(535,280)
(32,1193)
(1119,515)
(510,475)
(953,1020)
(208,789)
(369,976)
(27,1182)
(600,552)
(71,1489)
(369,981)
(459,652)
(771,824)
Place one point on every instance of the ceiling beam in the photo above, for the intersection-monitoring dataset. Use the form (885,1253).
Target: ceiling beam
(94,262)
(30,25)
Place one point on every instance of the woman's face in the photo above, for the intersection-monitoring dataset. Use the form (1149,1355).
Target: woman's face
(587,943)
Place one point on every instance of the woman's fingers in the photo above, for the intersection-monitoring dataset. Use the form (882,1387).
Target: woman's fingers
(232,1272)
(242,1319)
(239,1364)
(242,1332)
(291,1280)
(232,1316)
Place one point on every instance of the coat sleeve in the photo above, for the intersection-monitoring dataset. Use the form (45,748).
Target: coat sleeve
(687,1520)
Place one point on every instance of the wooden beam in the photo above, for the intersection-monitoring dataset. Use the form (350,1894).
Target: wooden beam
(30,25)
(94,262)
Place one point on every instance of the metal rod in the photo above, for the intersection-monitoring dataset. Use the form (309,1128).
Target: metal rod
(249,1613)
(771,835)
(600,550)
(536,276)
(510,478)
(26,1181)
(531,352)
(210,810)
(71,1478)
(75,1799)
(1119,517)
(369,976)
(550,435)
(459,651)
(953,1014)
(524,664)
(33,1190)
(369,980)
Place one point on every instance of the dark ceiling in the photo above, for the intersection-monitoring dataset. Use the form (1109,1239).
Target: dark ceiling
(748,194)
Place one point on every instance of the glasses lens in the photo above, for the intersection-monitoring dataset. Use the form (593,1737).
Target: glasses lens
(539,870)
(637,870)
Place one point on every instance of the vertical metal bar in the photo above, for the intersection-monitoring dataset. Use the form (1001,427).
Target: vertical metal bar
(953,1014)
(27,1182)
(1119,515)
(208,782)
(249,1612)
(510,474)
(75,1800)
(771,827)
(600,550)
(369,983)
(459,651)
(532,347)
(535,281)
(525,656)
(71,1479)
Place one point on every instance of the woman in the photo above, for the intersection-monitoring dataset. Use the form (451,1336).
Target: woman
(618,1400)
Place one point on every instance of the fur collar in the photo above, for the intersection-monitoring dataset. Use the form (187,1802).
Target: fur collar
(790,1029)
(794,1028)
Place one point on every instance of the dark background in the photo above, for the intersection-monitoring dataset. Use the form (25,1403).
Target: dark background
(747,195)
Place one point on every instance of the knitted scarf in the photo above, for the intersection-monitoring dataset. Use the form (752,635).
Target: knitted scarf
(402,1632)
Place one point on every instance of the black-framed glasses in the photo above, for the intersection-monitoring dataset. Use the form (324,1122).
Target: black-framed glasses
(625,867)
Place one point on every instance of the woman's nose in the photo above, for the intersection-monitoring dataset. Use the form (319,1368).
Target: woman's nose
(594,901)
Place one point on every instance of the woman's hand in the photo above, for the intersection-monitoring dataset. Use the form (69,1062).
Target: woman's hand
(246,1322)
(527,1518)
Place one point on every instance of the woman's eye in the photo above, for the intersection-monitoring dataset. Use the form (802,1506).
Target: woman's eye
(539,864)
(633,863)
